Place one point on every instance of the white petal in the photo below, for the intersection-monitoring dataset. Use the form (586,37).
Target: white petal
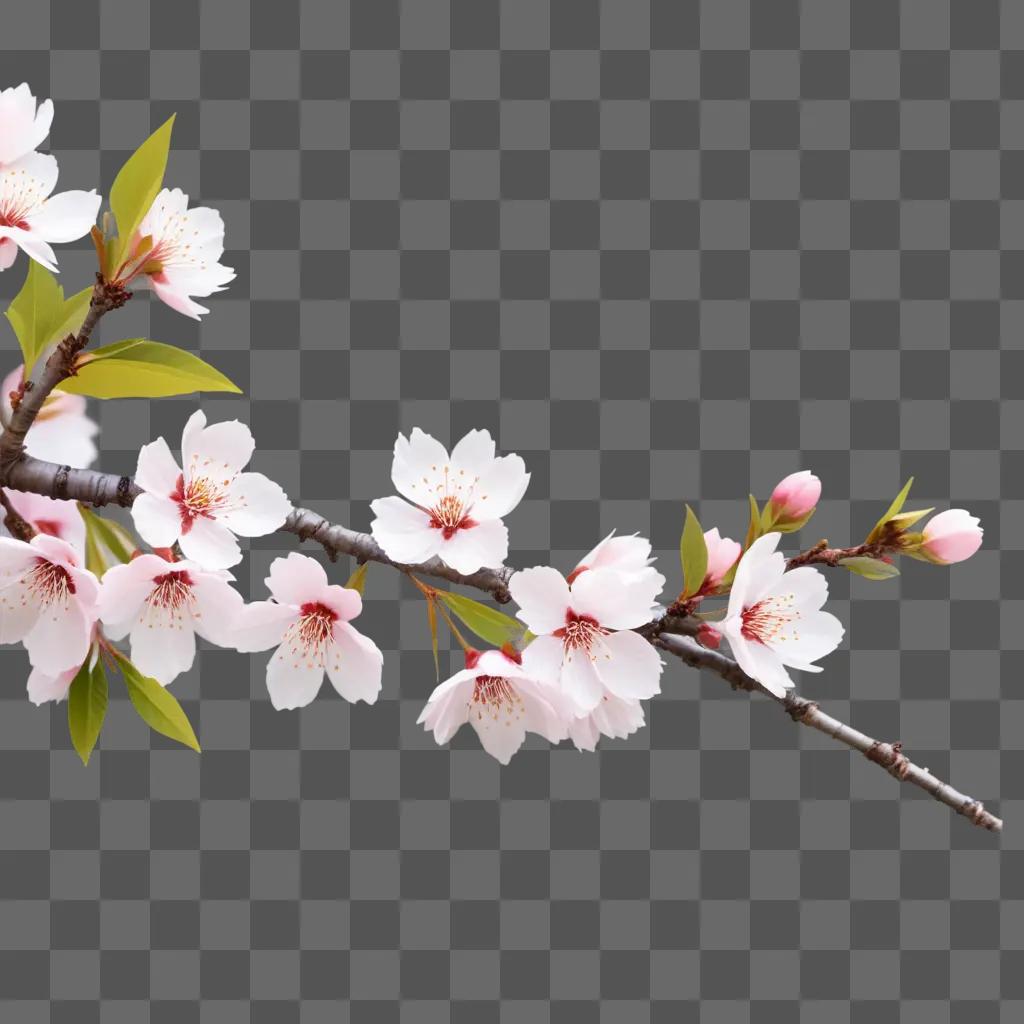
(805,588)
(403,531)
(34,246)
(262,625)
(817,634)
(216,609)
(157,520)
(627,554)
(474,453)
(293,680)
(760,663)
(16,557)
(163,644)
(617,600)
(447,709)
(618,718)
(258,506)
(345,602)
(501,731)
(27,181)
(543,598)
(43,687)
(761,566)
(542,659)
(64,439)
(55,518)
(628,666)
(65,217)
(19,611)
(210,544)
(60,638)
(484,545)
(217,451)
(501,487)
(581,682)
(8,252)
(584,733)
(175,297)
(170,204)
(157,471)
(126,587)
(22,126)
(354,664)
(546,710)
(296,579)
(419,466)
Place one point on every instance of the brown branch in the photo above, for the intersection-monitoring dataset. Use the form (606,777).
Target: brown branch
(17,525)
(58,367)
(889,756)
(822,554)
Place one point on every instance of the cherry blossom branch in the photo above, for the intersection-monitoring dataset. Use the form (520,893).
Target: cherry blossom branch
(60,365)
(822,554)
(889,756)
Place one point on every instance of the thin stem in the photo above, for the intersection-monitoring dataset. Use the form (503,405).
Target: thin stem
(17,525)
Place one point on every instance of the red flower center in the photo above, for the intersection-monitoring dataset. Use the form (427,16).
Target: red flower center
(200,498)
(49,583)
(766,622)
(171,591)
(580,632)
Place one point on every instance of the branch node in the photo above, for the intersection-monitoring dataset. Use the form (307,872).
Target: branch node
(124,489)
(801,711)
(60,483)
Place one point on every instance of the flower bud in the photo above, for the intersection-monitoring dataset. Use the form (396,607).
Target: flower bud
(951,536)
(708,636)
(793,501)
(723,553)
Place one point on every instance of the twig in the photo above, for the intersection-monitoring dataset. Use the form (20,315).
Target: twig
(822,554)
(889,756)
(17,525)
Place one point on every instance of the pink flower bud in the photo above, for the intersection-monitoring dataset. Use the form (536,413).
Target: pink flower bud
(951,536)
(795,497)
(722,556)
(708,636)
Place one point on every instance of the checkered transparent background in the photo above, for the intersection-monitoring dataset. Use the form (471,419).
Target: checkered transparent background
(668,251)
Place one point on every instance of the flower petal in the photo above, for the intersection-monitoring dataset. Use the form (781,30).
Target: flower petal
(403,531)
(474,453)
(157,520)
(759,662)
(261,625)
(217,451)
(258,506)
(580,681)
(157,472)
(419,466)
(19,611)
(34,246)
(163,643)
(617,600)
(65,439)
(447,708)
(628,666)
(60,638)
(484,545)
(542,659)
(292,679)
(501,730)
(760,568)
(216,608)
(210,544)
(543,598)
(296,579)
(126,587)
(65,217)
(43,687)
(500,488)
(354,664)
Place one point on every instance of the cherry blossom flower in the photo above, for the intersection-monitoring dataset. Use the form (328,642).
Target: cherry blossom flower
(309,621)
(43,687)
(47,601)
(22,126)
(162,606)
(613,717)
(50,516)
(184,258)
(203,507)
(793,500)
(631,554)
(30,218)
(951,536)
(723,554)
(62,432)
(584,632)
(774,617)
(454,503)
(501,700)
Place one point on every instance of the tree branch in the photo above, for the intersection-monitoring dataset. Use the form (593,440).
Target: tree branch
(822,554)
(671,633)
(889,756)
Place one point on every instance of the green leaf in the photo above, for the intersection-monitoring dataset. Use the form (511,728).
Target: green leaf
(156,706)
(488,623)
(870,568)
(754,528)
(72,315)
(357,581)
(894,509)
(32,312)
(87,707)
(904,520)
(693,553)
(137,185)
(138,368)
(106,541)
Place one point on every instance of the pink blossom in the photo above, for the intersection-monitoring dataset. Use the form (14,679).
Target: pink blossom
(502,700)
(62,432)
(163,606)
(43,687)
(47,601)
(630,554)
(51,517)
(204,506)
(722,556)
(184,259)
(451,505)
(309,621)
(613,717)
(585,637)
(794,498)
(951,536)
(774,617)
(22,126)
